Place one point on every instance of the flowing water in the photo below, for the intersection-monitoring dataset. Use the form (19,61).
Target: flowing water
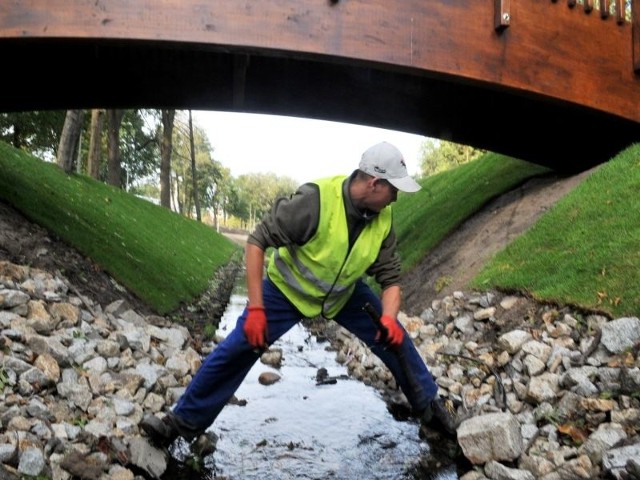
(296,429)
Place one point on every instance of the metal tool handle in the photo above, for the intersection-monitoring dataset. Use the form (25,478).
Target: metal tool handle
(373,313)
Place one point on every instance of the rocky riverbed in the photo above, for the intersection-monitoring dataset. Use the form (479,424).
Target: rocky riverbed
(545,393)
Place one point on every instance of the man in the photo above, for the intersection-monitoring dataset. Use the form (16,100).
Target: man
(326,237)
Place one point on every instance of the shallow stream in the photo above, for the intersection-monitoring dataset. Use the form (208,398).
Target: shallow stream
(296,429)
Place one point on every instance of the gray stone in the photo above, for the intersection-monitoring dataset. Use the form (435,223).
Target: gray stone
(495,436)
(145,456)
(496,471)
(621,334)
(31,462)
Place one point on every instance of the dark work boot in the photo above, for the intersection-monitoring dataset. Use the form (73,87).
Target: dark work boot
(162,433)
(441,416)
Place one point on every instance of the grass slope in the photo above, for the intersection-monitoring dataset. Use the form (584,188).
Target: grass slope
(585,251)
(447,199)
(164,258)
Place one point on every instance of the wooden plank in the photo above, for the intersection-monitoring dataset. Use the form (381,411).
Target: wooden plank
(635,25)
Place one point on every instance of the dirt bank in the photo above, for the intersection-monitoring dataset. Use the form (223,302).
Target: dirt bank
(462,254)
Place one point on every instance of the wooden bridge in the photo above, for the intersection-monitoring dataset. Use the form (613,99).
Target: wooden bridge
(553,82)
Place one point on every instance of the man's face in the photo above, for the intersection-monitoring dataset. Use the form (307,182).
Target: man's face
(381,194)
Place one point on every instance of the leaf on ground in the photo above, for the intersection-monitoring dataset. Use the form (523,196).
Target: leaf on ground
(578,435)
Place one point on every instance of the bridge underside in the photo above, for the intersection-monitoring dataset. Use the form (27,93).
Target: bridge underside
(553,83)
(152,75)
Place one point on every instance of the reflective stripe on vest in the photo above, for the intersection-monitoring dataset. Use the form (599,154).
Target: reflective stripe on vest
(319,277)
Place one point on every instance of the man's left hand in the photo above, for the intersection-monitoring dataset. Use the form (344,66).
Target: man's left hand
(395,334)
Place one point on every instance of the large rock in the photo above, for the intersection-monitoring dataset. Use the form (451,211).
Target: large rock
(494,436)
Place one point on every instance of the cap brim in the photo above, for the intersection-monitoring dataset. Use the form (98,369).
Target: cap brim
(405,184)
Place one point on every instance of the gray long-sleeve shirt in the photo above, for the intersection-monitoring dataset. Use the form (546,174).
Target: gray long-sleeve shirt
(294,220)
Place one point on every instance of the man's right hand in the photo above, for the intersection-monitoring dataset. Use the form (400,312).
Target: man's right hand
(255,327)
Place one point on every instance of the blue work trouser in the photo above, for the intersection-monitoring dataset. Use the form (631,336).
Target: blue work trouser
(224,369)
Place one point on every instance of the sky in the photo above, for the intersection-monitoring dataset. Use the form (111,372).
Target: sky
(302,149)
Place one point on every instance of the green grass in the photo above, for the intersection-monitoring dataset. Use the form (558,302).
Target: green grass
(164,258)
(424,218)
(586,250)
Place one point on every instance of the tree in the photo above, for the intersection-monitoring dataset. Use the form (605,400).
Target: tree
(69,139)
(166,147)
(36,132)
(94,158)
(139,146)
(440,155)
(215,184)
(258,191)
(114,168)
(194,176)
(234,203)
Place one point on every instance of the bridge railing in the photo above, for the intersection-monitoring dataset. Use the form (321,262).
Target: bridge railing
(619,9)
(623,11)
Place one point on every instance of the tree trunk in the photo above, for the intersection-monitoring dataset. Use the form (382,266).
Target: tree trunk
(95,143)
(16,138)
(68,147)
(114,169)
(165,157)
(196,197)
(177,199)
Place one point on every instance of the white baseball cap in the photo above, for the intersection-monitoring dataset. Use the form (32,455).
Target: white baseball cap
(383,160)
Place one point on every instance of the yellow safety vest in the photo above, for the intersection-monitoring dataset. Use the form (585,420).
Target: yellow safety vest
(319,276)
